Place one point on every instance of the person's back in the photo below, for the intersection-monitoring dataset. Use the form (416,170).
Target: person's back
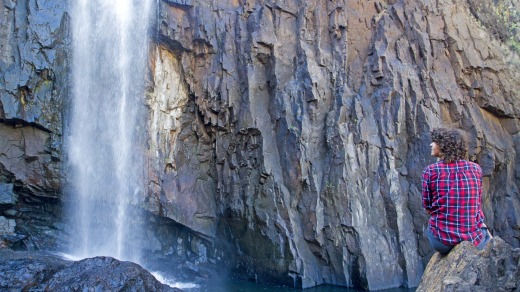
(455,213)
(452,194)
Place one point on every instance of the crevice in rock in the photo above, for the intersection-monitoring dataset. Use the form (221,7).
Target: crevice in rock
(2,112)
(17,123)
(182,4)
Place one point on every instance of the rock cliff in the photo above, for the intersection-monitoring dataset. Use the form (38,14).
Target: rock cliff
(34,66)
(310,127)
(287,137)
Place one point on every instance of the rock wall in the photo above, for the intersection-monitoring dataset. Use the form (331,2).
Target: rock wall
(288,136)
(34,58)
(310,127)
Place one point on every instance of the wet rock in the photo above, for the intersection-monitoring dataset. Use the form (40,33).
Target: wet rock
(104,273)
(23,270)
(496,268)
(43,271)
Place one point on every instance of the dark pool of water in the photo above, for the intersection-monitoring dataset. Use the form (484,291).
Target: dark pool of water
(239,286)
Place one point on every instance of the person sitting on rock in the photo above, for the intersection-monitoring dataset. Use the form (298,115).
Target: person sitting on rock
(452,194)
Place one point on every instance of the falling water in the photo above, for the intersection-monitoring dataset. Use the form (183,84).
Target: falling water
(110,51)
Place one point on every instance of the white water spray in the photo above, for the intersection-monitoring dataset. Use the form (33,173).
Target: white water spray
(110,53)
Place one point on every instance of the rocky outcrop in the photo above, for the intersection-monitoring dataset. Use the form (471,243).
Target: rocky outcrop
(496,268)
(46,272)
(286,138)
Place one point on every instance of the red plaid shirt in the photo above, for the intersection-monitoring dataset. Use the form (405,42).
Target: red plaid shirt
(452,192)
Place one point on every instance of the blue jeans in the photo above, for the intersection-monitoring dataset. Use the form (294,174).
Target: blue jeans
(444,249)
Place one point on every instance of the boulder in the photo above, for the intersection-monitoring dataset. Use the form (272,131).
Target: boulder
(496,268)
(47,272)
(104,274)
(23,270)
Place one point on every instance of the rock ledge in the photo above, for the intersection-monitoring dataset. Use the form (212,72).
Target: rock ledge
(496,268)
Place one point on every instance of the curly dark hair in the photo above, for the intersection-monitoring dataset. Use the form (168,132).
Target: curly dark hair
(452,144)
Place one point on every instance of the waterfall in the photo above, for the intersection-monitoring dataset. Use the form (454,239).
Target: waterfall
(104,152)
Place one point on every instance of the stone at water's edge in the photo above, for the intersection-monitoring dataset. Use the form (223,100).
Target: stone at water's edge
(21,270)
(496,268)
(46,272)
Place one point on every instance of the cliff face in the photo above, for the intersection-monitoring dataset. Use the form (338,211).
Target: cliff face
(289,136)
(310,128)
(34,58)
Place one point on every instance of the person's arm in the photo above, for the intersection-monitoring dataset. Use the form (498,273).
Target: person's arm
(426,194)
